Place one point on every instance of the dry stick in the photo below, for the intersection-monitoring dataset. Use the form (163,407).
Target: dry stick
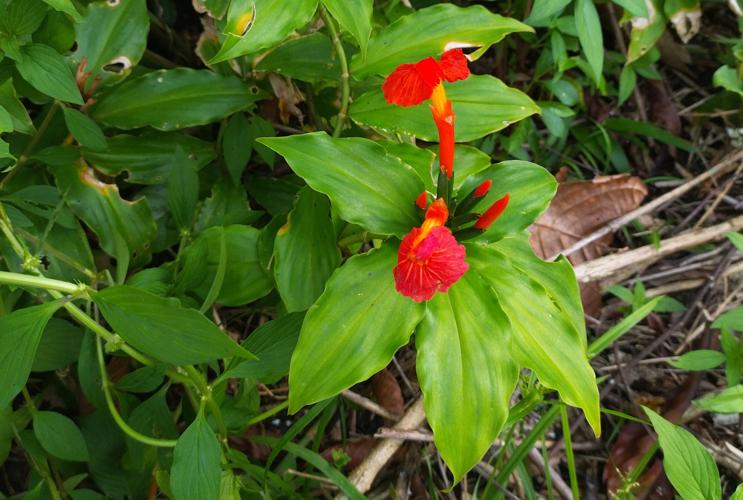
(632,260)
(691,284)
(370,405)
(618,223)
(711,209)
(557,481)
(363,476)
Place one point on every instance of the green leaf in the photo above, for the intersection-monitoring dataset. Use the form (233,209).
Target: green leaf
(22,18)
(273,343)
(173,99)
(196,470)
(163,328)
(353,329)
(145,379)
(148,158)
(429,32)
(65,6)
(59,436)
(545,338)
(543,10)
(588,25)
(84,130)
(271,23)
(627,126)
(687,463)
(20,334)
(366,186)
(59,346)
(421,160)
(483,105)
(9,100)
(48,72)
(308,58)
(237,147)
(736,239)
(305,251)
(731,320)
(729,400)
(468,161)
(6,122)
(699,360)
(112,38)
(646,33)
(627,82)
(125,229)
(727,78)
(463,355)
(635,7)
(246,280)
(531,188)
(738,493)
(183,190)
(615,332)
(355,17)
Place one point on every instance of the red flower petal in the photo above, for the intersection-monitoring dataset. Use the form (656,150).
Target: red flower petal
(434,265)
(492,213)
(453,65)
(422,200)
(483,189)
(411,84)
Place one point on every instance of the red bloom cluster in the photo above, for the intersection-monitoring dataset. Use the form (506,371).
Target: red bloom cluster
(429,259)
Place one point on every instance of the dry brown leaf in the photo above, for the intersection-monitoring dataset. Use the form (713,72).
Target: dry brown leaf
(578,209)
(387,392)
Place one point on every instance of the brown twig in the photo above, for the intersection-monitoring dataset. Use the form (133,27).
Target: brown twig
(369,405)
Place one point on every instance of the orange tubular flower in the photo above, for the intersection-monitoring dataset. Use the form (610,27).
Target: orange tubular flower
(492,213)
(411,84)
(429,260)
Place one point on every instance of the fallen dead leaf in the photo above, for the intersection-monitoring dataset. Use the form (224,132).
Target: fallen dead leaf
(387,392)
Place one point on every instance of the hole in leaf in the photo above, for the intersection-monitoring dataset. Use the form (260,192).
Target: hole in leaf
(118,65)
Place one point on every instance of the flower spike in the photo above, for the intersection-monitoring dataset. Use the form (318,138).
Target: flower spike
(422,200)
(492,213)
(483,189)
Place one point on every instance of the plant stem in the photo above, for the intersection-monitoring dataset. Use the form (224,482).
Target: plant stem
(569,452)
(18,279)
(106,384)
(345,87)
(206,394)
(267,414)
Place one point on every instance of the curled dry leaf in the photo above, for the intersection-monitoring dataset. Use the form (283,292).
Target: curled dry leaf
(387,392)
(578,209)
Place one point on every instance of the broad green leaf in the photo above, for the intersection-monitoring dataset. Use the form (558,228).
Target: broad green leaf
(215,8)
(163,328)
(227,205)
(699,360)
(627,82)
(687,463)
(729,400)
(731,320)
(84,130)
(183,190)
(112,38)
(355,17)
(148,158)
(733,349)
(727,78)
(530,186)
(627,126)
(588,25)
(65,6)
(237,147)
(736,239)
(738,493)
(59,346)
(305,251)
(483,105)
(125,229)
(468,161)
(273,343)
(6,433)
(543,10)
(463,355)
(20,334)
(353,329)
(366,185)
(255,25)
(173,99)
(420,159)
(59,436)
(246,280)
(6,122)
(9,100)
(308,58)
(545,338)
(145,379)
(5,150)
(431,31)
(48,72)
(22,18)
(196,470)
(613,334)
(635,7)
(646,32)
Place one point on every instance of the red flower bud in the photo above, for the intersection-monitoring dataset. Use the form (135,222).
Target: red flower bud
(492,213)
(422,200)
(483,189)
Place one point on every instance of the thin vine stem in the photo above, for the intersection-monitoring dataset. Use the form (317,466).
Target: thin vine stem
(345,75)
(267,414)
(206,394)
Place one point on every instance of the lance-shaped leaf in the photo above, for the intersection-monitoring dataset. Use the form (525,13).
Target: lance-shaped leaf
(545,338)
(308,58)
(355,17)
(254,25)
(305,250)
(465,369)
(482,103)
(531,188)
(429,32)
(588,26)
(164,329)
(366,185)
(173,99)
(112,38)
(125,229)
(196,467)
(20,334)
(47,71)
(353,329)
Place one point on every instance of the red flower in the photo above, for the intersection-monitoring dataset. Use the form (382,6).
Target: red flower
(429,260)
(483,189)
(411,84)
(492,213)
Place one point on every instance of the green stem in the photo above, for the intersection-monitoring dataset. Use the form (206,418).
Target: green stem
(137,436)
(40,282)
(32,143)
(345,75)
(267,414)
(569,452)
(206,395)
